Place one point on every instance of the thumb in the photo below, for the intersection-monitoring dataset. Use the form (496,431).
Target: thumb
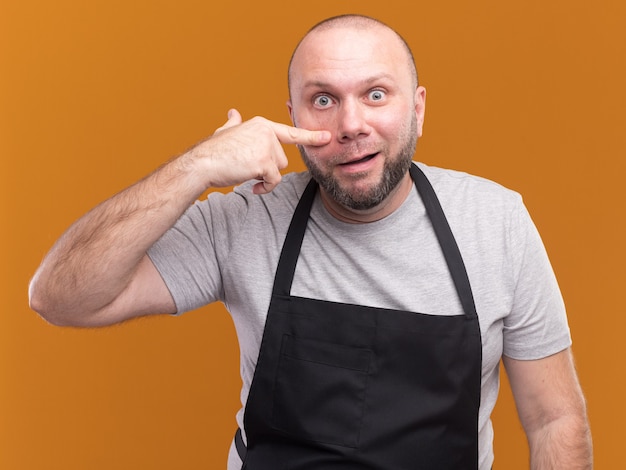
(234,119)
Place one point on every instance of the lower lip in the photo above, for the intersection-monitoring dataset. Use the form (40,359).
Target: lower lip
(359,165)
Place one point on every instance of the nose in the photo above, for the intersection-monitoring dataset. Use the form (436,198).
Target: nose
(352,121)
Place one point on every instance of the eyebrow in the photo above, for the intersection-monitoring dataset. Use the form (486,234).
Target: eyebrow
(365,81)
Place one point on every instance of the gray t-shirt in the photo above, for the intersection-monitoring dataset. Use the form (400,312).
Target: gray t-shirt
(226,249)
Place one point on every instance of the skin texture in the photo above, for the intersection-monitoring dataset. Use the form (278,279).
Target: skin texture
(98,272)
(358,112)
(355,82)
(552,409)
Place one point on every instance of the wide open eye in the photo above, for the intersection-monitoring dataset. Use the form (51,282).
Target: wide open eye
(376,95)
(322,101)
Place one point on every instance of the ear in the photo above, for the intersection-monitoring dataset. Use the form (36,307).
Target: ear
(290,109)
(420,108)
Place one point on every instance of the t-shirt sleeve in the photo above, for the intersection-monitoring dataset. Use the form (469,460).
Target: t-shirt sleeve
(537,324)
(189,256)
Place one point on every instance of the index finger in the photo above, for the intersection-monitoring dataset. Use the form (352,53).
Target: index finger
(297,135)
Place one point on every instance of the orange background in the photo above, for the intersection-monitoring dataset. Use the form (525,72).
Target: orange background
(93,95)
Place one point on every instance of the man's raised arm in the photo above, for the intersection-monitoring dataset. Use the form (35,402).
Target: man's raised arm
(98,272)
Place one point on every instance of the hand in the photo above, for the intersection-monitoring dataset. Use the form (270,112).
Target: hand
(241,151)
(98,273)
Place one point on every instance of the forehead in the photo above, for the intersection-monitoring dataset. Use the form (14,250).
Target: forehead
(342,55)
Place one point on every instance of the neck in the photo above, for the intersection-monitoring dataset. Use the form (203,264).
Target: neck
(392,202)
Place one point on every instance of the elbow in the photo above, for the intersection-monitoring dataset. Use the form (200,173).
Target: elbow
(49,314)
(42,304)
(36,300)
(63,310)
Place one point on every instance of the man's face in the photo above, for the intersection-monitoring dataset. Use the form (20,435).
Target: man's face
(357,83)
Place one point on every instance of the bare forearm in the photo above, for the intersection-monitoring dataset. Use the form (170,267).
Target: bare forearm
(552,409)
(93,261)
(98,272)
(564,444)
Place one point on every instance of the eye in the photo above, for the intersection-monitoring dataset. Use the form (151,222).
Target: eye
(322,101)
(376,95)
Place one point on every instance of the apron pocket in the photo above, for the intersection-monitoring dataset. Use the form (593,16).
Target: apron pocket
(319,391)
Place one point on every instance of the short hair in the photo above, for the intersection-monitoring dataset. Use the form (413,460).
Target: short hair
(357,22)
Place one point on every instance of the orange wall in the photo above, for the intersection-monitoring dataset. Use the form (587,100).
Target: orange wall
(93,95)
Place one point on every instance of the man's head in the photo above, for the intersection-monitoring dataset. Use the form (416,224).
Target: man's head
(358,22)
(355,76)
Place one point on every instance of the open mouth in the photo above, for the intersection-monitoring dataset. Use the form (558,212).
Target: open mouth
(360,160)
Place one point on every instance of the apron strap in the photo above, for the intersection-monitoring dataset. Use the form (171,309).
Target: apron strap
(289,255)
(241,447)
(291,251)
(448,244)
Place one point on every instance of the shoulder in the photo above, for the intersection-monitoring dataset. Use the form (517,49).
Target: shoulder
(241,203)
(447,182)
(482,213)
(469,197)
(274,206)
(290,188)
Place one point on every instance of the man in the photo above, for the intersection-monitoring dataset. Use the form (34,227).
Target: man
(372,311)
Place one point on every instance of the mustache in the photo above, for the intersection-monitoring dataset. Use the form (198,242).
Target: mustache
(352,153)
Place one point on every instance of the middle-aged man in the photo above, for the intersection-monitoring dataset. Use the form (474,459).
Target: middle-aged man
(372,311)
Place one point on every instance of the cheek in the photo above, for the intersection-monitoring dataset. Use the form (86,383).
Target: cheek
(391,122)
(315,121)
(323,157)
(319,155)
(396,130)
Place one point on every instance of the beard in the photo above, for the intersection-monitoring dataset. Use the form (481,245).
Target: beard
(395,168)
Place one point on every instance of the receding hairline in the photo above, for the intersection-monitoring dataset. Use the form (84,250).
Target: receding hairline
(360,22)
